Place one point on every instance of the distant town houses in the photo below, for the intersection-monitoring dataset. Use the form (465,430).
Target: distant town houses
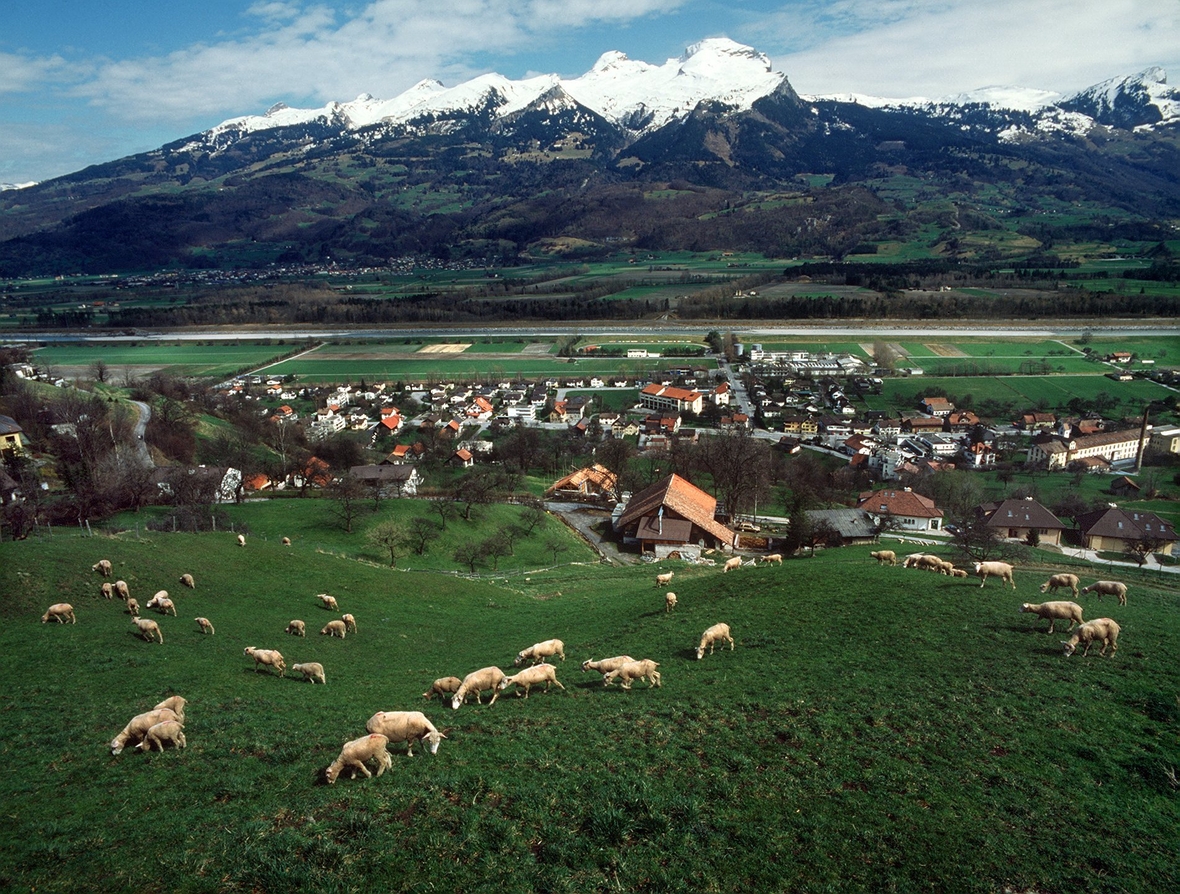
(1108,447)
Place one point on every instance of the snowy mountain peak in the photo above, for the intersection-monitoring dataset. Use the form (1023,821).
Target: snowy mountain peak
(1130,101)
(723,51)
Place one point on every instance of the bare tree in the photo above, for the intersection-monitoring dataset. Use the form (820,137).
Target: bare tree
(1141,548)
(390,535)
(468,553)
(419,534)
(346,494)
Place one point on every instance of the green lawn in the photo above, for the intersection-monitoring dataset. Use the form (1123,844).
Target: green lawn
(185,359)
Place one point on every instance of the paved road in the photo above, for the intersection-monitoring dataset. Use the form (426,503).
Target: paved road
(145,413)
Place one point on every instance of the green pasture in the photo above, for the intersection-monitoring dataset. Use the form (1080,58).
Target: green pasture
(185,358)
(892,730)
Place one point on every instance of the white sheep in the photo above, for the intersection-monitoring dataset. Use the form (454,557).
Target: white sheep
(530,677)
(162,603)
(148,629)
(349,622)
(60,612)
(478,681)
(175,704)
(103,567)
(917,560)
(776,558)
(354,754)
(540,651)
(669,601)
(606,665)
(286,541)
(187,580)
(269,657)
(731,564)
(107,590)
(442,686)
(662,580)
(406,726)
(959,572)
(1056,611)
(163,734)
(1002,570)
(885,556)
(138,726)
(944,567)
(634,670)
(122,590)
(205,625)
(1104,629)
(1108,588)
(334,628)
(328,602)
(241,540)
(1061,580)
(296,628)
(715,634)
(133,607)
(312,671)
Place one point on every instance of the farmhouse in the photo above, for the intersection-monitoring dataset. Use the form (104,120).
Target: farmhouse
(595,481)
(1115,529)
(11,435)
(672,514)
(401,480)
(908,510)
(1017,519)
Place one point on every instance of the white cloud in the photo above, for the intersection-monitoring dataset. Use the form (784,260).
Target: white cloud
(19,74)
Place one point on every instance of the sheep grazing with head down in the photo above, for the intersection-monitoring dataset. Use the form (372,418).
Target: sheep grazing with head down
(1057,581)
(478,682)
(187,580)
(1108,588)
(312,671)
(662,580)
(286,541)
(241,540)
(60,612)
(669,601)
(628,673)
(349,622)
(1056,611)
(912,560)
(716,634)
(138,727)
(334,628)
(205,625)
(268,657)
(443,686)
(540,651)
(122,590)
(776,558)
(959,572)
(885,556)
(107,590)
(161,603)
(1105,629)
(133,607)
(530,677)
(356,753)
(406,726)
(148,629)
(296,628)
(175,704)
(606,665)
(1002,570)
(732,564)
(166,733)
(103,567)
(328,602)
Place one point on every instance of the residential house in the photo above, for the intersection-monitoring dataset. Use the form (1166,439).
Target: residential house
(936,406)
(1017,519)
(1038,421)
(922,424)
(399,479)
(12,436)
(721,394)
(977,456)
(909,511)
(962,421)
(800,426)
(592,482)
(1114,529)
(463,458)
(673,514)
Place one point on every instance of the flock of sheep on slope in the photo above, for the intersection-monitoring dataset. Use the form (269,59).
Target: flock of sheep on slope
(1104,630)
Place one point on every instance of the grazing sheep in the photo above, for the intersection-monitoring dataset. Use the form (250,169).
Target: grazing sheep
(60,612)
(715,634)
(122,589)
(286,541)
(162,603)
(354,754)
(959,572)
(1056,611)
(944,567)
(669,601)
(241,540)
(478,681)
(175,704)
(296,628)
(334,628)
(606,665)
(406,726)
(1104,629)
(662,580)
(269,657)
(530,677)
(187,580)
(731,564)
(103,567)
(133,607)
(205,626)
(1001,570)
(442,686)
(328,602)
(138,726)
(107,591)
(312,671)
(929,562)
(1108,588)
(148,629)
(349,622)
(162,734)
(634,670)
(540,651)
(777,558)
(885,556)
(1061,580)
(911,560)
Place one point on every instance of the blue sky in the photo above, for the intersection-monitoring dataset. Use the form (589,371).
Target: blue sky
(84,82)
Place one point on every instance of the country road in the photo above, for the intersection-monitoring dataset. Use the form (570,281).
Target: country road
(145,413)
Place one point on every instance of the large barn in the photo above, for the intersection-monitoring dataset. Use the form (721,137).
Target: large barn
(673,514)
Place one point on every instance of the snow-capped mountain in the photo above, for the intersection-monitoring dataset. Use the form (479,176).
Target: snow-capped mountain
(1140,100)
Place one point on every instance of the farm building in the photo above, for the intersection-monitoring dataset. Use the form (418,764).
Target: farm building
(910,511)
(592,482)
(672,514)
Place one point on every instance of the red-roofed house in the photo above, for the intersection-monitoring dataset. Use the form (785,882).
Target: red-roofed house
(670,514)
(936,406)
(463,457)
(911,511)
(666,397)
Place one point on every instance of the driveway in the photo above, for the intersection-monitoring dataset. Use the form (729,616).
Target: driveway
(587,520)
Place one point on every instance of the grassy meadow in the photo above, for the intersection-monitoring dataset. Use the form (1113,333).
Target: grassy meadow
(875,729)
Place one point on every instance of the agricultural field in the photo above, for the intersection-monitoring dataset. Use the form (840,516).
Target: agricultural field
(975,758)
(216,360)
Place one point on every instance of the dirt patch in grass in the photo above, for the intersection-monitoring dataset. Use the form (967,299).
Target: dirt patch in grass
(448,348)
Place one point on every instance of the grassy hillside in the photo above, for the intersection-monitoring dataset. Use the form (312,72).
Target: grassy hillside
(875,729)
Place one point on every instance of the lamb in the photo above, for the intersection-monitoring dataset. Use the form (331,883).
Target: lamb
(1104,629)
(958,572)
(162,734)
(943,567)
(148,629)
(334,628)
(162,603)
(60,612)
(884,556)
(133,607)
(634,670)
(777,558)
(269,657)
(107,591)
(477,682)
(286,541)
(1108,588)
(354,754)
(715,634)
(187,580)
(1061,580)
(669,601)
(328,602)
(312,671)
(138,726)
(1056,611)
(296,628)
(205,626)
(731,564)
(530,677)
(175,704)
(241,540)
(103,567)
(406,726)
(122,589)
(1001,570)
(540,651)
(606,665)
(662,580)
(349,622)
(442,686)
